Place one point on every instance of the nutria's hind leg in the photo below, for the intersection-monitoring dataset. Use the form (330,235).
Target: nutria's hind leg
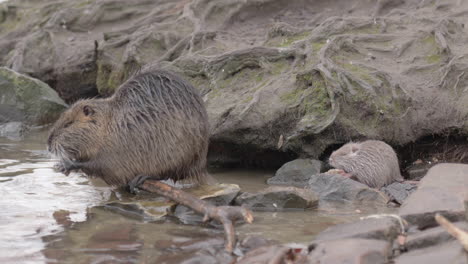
(224,214)
(136,182)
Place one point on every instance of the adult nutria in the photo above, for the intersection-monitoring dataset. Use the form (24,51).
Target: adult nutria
(372,162)
(155,124)
(154,127)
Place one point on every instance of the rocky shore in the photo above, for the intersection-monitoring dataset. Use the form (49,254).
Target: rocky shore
(284,83)
(409,236)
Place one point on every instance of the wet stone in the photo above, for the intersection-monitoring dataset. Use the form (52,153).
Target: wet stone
(276,198)
(13,130)
(398,191)
(265,254)
(339,188)
(252,242)
(450,252)
(443,191)
(431,237)
(384,228)
(296,172)
(350,251)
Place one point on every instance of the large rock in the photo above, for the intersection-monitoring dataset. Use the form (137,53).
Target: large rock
(296,172)
(338,188)
(304,74)
(277,198)
(451,252)
(379,228)
(350,251)
(28,100)
(443,191)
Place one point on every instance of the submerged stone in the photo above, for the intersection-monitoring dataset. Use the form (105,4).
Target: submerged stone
(296,172)
(277,198)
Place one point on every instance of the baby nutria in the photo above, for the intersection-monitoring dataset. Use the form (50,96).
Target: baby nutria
(372,162)
(155,125)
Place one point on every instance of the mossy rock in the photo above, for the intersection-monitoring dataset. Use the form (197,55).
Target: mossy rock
(26,99)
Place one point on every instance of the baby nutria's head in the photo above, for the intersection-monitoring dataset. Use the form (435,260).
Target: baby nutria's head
(342,157)
(76,134)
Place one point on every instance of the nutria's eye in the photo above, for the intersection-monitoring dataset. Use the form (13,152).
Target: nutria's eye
(87,110)
(67,124)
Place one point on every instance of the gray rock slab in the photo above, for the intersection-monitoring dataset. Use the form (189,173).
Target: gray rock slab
(442,190)
(450,252)
(431,237)
(337,187)
(385,228)
(399,191)
(277,198)
(350,251)
(296,172)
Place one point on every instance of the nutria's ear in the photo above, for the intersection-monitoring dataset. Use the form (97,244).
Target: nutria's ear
(354,148)
(88,110)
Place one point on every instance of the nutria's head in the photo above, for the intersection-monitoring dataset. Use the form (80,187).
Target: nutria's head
(341,157)
(75,135)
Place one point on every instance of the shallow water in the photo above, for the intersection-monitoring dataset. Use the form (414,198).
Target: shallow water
(46,216)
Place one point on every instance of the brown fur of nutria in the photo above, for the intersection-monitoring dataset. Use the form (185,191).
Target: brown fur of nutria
(155,125)
(372,162)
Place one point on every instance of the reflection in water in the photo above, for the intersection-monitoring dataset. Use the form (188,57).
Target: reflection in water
(30,195)
(47,216)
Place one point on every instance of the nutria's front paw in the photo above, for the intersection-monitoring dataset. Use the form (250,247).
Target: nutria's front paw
(63,168)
